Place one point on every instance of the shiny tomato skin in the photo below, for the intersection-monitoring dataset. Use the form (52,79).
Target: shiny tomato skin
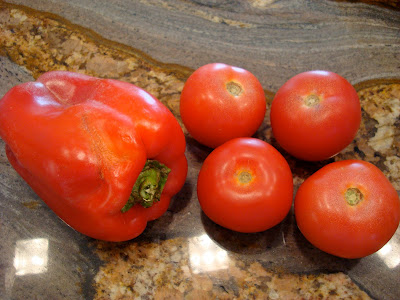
(220,102)
(315,115)
(332,225)
(237,201)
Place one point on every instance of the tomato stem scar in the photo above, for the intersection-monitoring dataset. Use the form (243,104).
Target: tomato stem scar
(234,88)
(353,196)
(312,100)
(244,177)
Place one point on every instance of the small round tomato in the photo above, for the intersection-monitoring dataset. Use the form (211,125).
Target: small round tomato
(315,115)
(245,185)
(221,102)
(348,209)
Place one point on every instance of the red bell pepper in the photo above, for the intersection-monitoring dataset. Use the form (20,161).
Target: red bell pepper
(104,155)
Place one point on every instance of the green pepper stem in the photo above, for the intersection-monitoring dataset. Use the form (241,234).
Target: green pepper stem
(148,186)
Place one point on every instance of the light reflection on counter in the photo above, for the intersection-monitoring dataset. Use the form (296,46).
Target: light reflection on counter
(390,253)
(206,256)
(31,256)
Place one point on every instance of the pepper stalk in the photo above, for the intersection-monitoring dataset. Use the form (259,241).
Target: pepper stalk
(148,186)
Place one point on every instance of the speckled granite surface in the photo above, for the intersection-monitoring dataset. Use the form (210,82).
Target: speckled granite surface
(183,255)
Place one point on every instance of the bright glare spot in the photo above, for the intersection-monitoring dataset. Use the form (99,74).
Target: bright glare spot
(205,241)
(147,97)
(31,256)
(390,254)
(393,262)
(81,155)
(38,261)
(206,256)
(239,70)
(195,260)
(222,256)
(321,72)
(385,250)
(43,101)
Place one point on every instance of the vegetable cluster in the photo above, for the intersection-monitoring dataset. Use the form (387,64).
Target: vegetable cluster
(107,157)
(347,208)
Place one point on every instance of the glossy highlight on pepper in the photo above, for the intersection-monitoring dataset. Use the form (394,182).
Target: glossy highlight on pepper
(82,142)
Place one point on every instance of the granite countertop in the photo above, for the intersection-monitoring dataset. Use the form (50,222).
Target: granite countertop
(157,45)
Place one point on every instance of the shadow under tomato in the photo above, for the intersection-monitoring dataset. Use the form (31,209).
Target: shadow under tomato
(317,259)
(199,151)
(178,203)
(182,199)
(299,168)
(245,243)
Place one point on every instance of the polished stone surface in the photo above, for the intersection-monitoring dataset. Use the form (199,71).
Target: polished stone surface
(273,39)
(184,254)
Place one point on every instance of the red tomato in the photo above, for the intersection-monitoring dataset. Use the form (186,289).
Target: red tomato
(348,209)
(245,185)
(221,102)
(315,115)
